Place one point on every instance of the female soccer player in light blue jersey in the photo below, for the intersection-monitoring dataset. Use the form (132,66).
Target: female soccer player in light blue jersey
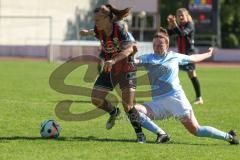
(169,99)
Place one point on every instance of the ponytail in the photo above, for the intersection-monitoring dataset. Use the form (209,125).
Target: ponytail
(113,13)
(119,14)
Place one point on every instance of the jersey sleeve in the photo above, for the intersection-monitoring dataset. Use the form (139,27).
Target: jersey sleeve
(186,31)
(143,59)
(183,59)
(131,37)
(124,36)
(170,32)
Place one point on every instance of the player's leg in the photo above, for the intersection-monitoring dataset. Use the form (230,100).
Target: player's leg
(98,99)
(127,82)
(146,117)
(196,84)
(101,88)
(133,115)
(191,124)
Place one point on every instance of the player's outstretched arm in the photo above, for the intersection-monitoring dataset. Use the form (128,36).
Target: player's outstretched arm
(126,51)
(200,57)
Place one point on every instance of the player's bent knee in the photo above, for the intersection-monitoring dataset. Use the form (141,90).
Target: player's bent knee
(190,126)
(127,107)
(193,130)
(138,107)
(141,108)
(97,102)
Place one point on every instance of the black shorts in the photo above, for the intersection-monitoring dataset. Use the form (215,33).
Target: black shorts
(187,67)
(109,81)
(190,66)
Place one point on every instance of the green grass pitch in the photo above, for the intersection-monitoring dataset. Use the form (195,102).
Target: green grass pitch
(27,99)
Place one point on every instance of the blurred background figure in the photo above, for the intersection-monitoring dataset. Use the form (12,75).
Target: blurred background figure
(183,26)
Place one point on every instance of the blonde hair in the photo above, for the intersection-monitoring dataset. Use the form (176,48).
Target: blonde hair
(185,11)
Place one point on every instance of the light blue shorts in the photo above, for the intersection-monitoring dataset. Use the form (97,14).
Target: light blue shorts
(176,106)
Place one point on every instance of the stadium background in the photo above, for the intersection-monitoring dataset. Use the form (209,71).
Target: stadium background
(35,31)
(49,29)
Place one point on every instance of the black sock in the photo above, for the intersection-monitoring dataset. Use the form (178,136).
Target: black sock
(134,118)
(196,86)
(113,112)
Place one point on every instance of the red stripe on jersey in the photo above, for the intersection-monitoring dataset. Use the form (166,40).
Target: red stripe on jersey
(183,45)
(116,29)
(179,44)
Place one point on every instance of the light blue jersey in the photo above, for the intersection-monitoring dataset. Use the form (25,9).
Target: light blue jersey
(163,72)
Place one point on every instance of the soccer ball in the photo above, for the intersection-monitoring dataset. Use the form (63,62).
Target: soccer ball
(50,129)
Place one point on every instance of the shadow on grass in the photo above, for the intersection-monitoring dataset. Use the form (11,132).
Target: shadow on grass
(89,138)
(90,102)
(16,138)
(96,139)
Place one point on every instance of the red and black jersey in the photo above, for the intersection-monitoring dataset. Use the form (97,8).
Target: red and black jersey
(185,38)
(113,44)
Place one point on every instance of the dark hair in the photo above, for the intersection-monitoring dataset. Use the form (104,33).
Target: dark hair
(113,13)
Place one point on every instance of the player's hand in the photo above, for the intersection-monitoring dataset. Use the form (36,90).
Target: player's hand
(108,66)
(210,50)
(171,19)
(83,32)
(135,50)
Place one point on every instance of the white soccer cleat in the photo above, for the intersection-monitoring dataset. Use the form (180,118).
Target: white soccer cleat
(111,121)
(198,101)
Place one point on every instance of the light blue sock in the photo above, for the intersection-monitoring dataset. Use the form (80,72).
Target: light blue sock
(207,131)
(148,124)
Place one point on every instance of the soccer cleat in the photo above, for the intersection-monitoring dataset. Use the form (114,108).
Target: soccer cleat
(198,100)
(234,139)
(141,138)
(162,138)
(111,121)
